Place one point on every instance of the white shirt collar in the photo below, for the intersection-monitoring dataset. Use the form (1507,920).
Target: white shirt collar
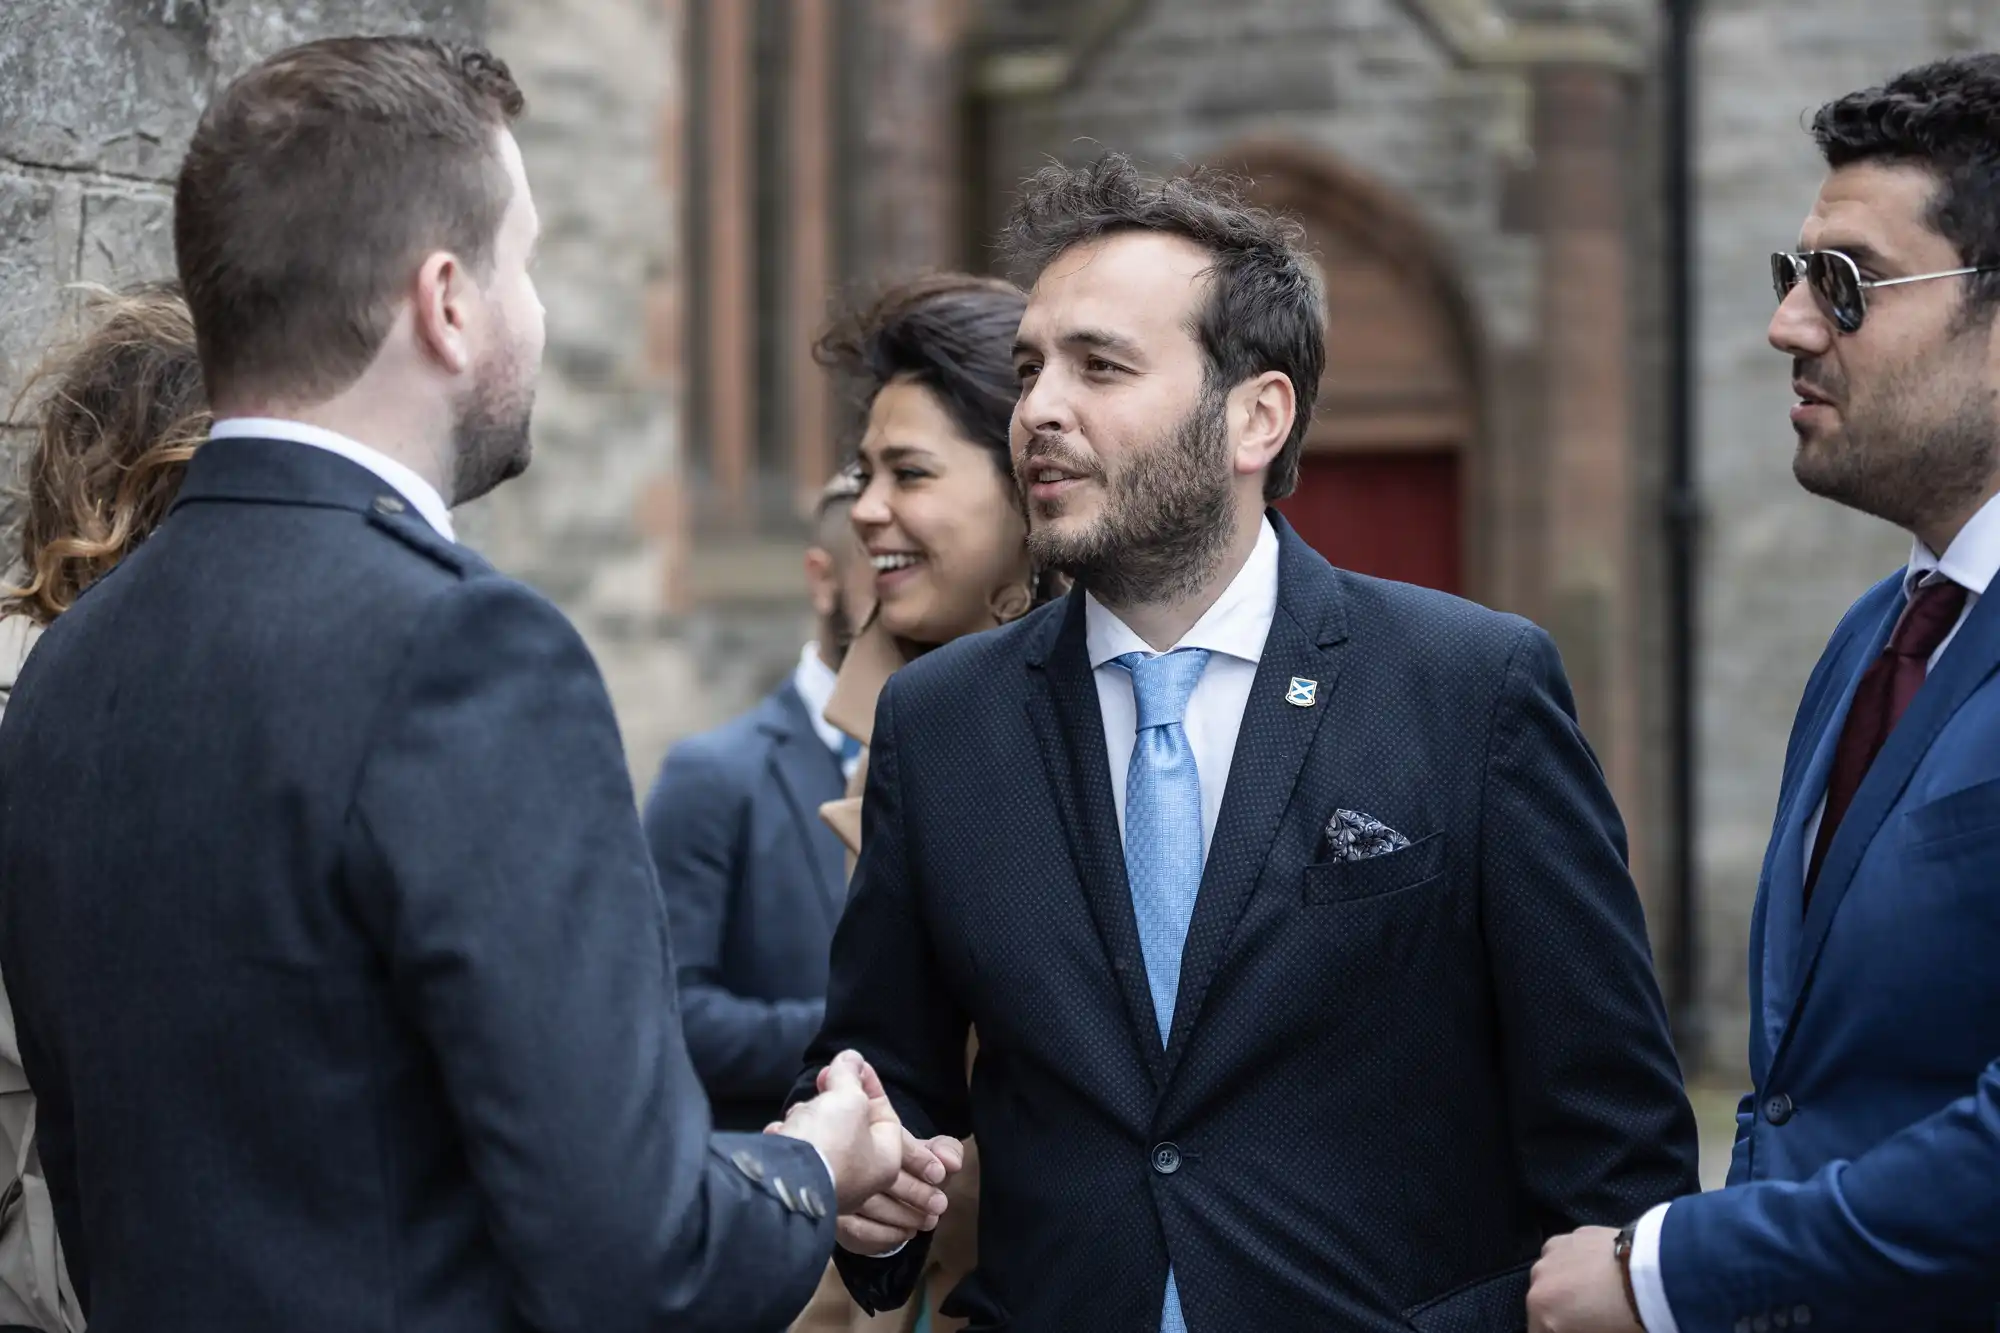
(1235,625)
(814,681)
(1971,561)
(400,477)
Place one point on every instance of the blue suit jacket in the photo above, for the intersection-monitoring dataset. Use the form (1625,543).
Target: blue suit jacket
(340,968)
(1387,1081)
(755,881)
(1866,1175)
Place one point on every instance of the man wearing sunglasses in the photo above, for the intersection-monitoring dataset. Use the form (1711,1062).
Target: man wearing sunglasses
(1864,1189)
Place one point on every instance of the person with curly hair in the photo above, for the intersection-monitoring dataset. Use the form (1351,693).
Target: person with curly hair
(118,413)
(1864,1189)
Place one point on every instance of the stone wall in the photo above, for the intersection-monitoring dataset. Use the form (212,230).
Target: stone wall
(603,86)
(97,100)
(1779,566)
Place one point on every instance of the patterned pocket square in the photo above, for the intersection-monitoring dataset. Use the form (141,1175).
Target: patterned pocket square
(1353,836)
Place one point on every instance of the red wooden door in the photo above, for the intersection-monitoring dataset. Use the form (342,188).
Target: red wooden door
(1392,514)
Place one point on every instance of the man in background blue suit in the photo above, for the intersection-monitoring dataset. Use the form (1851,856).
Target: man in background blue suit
(754,879)
(1865,1184)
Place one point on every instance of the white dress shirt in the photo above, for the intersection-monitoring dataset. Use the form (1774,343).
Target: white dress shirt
(421,495)
(1972,561)
(814,679)
(1233,630)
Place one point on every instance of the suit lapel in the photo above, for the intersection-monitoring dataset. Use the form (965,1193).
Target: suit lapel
(809,775)
(1966,664)
(1783,926)
(1069,728)
(1271,747)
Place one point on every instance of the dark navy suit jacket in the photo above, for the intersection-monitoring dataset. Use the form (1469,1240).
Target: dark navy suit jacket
(1387,1081)
(755,881)
(1866,1175)
(340,966)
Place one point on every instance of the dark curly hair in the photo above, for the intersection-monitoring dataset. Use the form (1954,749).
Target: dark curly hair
(1943,116)
(1266,307)
(953,333)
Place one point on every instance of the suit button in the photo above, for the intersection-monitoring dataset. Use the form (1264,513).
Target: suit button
(1778,1109)
(1166,1159)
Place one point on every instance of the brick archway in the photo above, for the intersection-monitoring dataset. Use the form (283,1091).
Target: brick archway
(1391,463)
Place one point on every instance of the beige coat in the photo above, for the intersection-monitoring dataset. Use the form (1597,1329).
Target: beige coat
(34,1288)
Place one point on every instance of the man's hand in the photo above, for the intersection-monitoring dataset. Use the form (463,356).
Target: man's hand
(1576,1287)
(855,1129)
(913,1203)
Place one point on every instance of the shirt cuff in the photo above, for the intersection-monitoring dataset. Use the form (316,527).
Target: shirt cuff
(1648,1284)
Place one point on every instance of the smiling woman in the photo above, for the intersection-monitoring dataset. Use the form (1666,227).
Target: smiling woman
(939,510)
(930,363)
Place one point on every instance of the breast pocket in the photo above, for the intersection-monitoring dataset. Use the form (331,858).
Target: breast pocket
(1967,813)
(1373,877)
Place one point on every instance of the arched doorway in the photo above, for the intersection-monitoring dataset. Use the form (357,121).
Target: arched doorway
(1383,483)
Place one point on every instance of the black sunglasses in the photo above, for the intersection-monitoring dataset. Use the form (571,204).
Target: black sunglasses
(1836,282)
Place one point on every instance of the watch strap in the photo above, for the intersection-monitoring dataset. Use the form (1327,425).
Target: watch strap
(1621,1250)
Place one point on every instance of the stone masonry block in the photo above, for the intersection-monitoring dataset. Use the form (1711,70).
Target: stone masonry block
(242,32)
(127,238)
(111,85)
(34,260)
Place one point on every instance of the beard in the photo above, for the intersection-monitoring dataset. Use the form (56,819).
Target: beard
(1168,515)
(491,441)
(1921,446)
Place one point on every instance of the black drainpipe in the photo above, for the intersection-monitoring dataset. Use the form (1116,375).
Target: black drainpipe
(1683,522)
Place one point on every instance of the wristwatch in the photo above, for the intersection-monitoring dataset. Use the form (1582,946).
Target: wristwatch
(1621,1250)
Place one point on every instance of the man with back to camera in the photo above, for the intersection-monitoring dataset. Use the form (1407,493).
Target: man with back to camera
(1289,905)
(753,877)
(1864,1189)
(340,966)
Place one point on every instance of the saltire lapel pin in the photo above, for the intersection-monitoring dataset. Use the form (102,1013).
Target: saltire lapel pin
(1302,693)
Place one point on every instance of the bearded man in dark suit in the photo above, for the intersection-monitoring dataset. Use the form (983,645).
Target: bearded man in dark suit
(1289,905)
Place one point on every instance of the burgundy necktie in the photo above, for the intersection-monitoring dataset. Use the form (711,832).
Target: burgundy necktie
(1886,689)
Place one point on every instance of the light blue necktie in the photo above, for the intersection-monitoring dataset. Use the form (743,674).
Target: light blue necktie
(1163,840)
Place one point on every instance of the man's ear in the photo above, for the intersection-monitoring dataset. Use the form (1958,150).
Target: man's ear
(1261,411)
(822,585)
(439,314)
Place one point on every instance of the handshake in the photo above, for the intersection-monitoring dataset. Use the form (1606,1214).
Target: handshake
(889,1183)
